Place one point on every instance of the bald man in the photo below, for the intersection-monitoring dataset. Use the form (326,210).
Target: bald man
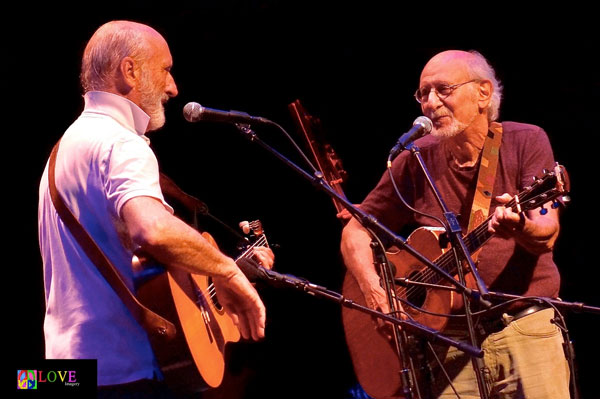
(459,92)
(108,176)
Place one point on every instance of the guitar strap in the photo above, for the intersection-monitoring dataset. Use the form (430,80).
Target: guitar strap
(487,176)
(154,324)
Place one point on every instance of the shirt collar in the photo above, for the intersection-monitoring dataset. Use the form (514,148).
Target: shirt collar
(124,111)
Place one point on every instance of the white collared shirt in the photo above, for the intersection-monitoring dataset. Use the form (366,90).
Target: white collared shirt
(104,160)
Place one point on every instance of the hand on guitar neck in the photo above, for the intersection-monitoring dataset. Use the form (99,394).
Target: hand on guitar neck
(533,230)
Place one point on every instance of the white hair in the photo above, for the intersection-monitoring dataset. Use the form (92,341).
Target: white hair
(112,42)
(479,68)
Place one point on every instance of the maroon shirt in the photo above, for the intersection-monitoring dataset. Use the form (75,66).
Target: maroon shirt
(504,266)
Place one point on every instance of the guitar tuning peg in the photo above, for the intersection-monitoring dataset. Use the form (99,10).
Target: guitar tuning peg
(543,211)
(245,226)
(555,204)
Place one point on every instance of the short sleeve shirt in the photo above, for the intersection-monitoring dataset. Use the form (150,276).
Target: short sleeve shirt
(104,160)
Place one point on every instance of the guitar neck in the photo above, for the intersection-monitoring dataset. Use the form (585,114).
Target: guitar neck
(261,241)
(542,191)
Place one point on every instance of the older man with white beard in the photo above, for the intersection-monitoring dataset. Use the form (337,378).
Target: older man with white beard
(459,92)
(108,177)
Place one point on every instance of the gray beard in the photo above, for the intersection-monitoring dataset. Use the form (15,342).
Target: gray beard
(157,118)
(452,130)
(449,131)
(152,103)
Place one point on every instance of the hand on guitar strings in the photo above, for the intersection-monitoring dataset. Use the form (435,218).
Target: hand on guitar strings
(376,299)
(241,301)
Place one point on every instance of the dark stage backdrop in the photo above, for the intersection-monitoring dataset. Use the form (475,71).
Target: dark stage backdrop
(354,67)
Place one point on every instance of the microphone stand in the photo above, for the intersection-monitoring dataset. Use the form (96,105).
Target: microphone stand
(306,286)
(461,252)
(377,229)
(576,307)
(407,375)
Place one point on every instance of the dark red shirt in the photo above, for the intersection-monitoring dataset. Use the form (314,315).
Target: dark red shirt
(504,266)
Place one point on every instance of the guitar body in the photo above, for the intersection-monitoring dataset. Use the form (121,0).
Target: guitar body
(376,362)
(195,359)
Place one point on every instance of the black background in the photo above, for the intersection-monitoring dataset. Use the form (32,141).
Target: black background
(355,66)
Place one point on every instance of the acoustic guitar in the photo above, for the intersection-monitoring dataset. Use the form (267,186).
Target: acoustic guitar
(195,359)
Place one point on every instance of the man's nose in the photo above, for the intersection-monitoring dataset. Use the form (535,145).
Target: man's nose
(171,87)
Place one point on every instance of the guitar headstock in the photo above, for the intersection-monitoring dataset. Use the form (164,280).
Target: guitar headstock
(327,160)
(553,186)
(255,227)
(255,237)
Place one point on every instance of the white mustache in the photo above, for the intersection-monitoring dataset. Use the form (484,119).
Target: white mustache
(439,114)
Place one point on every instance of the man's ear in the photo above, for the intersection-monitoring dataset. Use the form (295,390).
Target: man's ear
(127,75)
(485,94)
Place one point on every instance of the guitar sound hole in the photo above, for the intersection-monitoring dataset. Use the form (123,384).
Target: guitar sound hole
(416,294)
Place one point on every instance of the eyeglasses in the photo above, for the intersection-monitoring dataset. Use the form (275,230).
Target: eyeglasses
(442,90)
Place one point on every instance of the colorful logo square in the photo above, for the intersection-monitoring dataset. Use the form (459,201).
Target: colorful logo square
(26,379)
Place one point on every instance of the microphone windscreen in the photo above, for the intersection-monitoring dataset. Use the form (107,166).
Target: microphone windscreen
(192,112)
(425,122)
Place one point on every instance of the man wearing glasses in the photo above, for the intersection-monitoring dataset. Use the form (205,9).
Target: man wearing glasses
(524,356)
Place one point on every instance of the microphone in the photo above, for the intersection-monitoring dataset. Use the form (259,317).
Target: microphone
(421,126)
(194,112)
(254,272)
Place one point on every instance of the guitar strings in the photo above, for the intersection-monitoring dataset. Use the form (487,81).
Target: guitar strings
(445,261)
(210,291)
(261,241)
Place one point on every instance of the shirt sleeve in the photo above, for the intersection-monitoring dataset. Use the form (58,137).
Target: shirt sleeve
(132,171)
(536,155)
